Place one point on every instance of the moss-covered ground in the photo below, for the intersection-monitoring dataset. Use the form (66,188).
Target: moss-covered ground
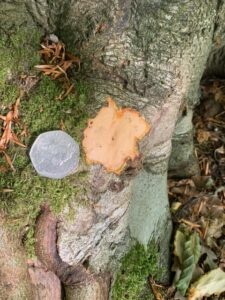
(132,279)
(22,192)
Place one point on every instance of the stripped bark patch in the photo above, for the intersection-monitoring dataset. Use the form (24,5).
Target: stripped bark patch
(47,253)
(112,137)
(46,284)
(78,280)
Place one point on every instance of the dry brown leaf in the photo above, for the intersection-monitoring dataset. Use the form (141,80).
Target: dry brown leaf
(73,58)
(66,93)
(155,289)
(202,136)
(111,137)
(9,161)
(8,135)
(57,62)
(15,109)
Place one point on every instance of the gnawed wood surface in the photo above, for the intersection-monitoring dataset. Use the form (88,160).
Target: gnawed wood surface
(47,285)
(79,282)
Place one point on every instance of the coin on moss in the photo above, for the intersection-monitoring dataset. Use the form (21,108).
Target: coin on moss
(55,154)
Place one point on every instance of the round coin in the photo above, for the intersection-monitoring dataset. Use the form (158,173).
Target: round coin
(55,154)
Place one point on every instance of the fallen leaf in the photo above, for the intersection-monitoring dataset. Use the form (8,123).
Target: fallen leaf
(111,137)
(202,136)
(179,245)
(175,206)
(155,289)
(9,161)
(15,110)
(214,229)
(191,253)
(8,135)
(209,262)
(57,62)
(212,283)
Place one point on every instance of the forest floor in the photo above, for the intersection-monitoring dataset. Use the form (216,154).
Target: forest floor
(197,206)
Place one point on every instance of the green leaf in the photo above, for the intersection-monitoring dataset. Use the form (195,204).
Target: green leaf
(212,283)
(179,245)
(196,246)
(190,256)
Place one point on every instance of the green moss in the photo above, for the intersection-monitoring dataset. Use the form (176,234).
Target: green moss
(136,266)
(18,54)
(44,112)
(22,192)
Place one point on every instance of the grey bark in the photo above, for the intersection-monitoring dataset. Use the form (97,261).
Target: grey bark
(149,55)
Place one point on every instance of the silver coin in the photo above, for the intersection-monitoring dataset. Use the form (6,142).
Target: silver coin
(55,154)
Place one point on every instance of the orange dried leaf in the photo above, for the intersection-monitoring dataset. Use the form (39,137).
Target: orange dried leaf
(111,137)
(25,132)
(66,64)
(155,289)
(5,139)
(72,57)
(8,118)
(15,139)
(8,135)
(57,62)
(202,136)
(41,67)
(16,109)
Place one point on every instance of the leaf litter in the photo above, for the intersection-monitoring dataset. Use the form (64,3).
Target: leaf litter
(197,207)
(7,131)
(57,63)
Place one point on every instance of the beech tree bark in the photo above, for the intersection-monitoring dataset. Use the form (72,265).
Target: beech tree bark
(149,55)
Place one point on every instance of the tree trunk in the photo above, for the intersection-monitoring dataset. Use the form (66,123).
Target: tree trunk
(149,55)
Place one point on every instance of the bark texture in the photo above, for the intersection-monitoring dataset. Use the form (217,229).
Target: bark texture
(215,63)
(46,284)
(78,282)
(14,277)
(14,15)
(149,55)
